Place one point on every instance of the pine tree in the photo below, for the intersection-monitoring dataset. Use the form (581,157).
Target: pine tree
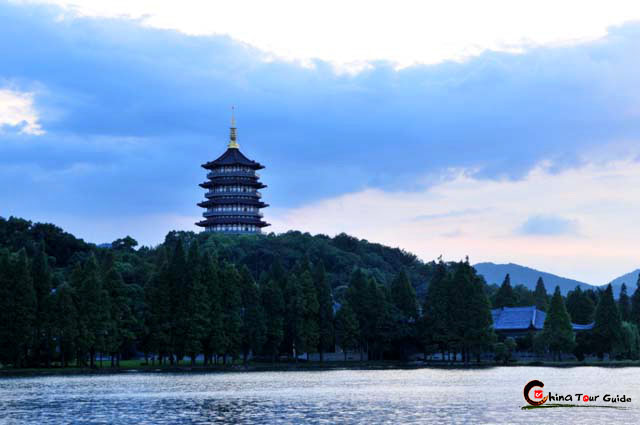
(540,295)
(403,296)
(580,307)
(325,310)
(294,316)
(21,310)
(231,310)
(624,305)
(213,341)
(347,330)
(273,305)
(607,330)
(557,334)
(177,278)
(435,320)
(477,322)
(93,311)
(64,325)
(404,313)
(6,308)
(505,296)
(158,315)
(361,296)
(197,304)
(42,285)
(310,335)
(634,315)
(253,321)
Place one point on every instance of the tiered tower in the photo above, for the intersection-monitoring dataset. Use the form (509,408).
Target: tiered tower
(233,201)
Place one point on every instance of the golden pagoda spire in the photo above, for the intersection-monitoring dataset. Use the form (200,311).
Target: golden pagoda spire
(233,143)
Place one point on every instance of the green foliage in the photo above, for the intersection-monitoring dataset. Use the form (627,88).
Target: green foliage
(607,330)
(64,301)
(634,314)
(505,297)
(347,329)
(630,341)
(580,306)
(503,351)
(457,311)
(18,308)
(557,334)
(325,310)
(541,298)
(624,304)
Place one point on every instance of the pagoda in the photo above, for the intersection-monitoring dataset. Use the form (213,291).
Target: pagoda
(233,201)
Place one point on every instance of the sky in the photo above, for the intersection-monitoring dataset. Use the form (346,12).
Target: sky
(506,131)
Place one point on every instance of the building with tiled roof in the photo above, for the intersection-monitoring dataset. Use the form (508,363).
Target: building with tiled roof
(518,321)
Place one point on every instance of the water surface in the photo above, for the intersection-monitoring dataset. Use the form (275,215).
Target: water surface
(419,396)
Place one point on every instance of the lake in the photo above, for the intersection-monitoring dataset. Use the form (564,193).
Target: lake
(417,396)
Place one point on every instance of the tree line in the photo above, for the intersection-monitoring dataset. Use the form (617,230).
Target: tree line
(215,298)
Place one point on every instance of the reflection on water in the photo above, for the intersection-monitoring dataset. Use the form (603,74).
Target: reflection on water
(424,396)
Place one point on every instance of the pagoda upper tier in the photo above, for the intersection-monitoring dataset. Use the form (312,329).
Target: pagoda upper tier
(233,201)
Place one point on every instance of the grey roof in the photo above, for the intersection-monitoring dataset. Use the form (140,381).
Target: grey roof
(523,318)
(233,156)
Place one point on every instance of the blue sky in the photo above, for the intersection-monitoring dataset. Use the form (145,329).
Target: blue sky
(105,119)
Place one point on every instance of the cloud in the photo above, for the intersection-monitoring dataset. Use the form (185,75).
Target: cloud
(608,234)
(17,110)
(352,34)
(131,111)
(548,226)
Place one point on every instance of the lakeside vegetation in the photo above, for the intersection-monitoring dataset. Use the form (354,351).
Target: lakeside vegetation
(206,300)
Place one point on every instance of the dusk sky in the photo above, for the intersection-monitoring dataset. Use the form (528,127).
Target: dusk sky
(506,131)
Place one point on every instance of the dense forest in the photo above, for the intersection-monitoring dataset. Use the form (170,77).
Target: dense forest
(228,298)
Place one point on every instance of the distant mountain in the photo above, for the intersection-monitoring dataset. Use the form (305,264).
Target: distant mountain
(495,273)
(630,279)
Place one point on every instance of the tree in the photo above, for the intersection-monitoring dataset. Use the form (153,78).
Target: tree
(540,295)
(347,330)
(231,311)
(124,244)
(403,296)
(273,304)
(158,312)
(213,339)
(630,340)
(404,313)
(557,333)
(197,305)
(634,315)
(93,311)
(121,326)
(310,331)
(17,309)
(435,321)
(253,324)
(580,306)
(607,330)
(505,296)
(42,277)
(624,305)
(325,310)
(64,326)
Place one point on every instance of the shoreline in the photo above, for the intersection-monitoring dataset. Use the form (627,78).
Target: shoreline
(296,367)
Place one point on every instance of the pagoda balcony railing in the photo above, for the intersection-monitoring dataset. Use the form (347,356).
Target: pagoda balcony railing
(232,213)
(212,174)
(234,192)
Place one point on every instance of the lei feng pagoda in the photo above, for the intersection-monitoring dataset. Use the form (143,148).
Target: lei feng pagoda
(233,201)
